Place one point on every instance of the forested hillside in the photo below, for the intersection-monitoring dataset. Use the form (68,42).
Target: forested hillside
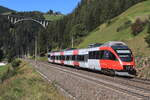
(87,16)
(130,27)
(5,10)
(19,39)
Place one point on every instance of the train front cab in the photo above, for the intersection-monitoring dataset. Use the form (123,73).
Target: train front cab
(126,59)
(118,60)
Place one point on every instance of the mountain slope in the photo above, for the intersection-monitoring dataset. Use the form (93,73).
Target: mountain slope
(5,10)
(108,31)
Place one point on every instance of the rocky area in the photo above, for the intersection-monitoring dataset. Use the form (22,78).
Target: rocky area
(143,67)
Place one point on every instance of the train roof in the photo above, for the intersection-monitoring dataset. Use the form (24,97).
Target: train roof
(113,44)
(95,45)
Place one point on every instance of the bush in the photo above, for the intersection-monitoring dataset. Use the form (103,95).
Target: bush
(9,73)
(15,63)
(147,38)
(138,26)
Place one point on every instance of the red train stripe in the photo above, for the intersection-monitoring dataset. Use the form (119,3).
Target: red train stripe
(75,52)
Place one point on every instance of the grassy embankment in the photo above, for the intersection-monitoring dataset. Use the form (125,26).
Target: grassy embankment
(108,31)
(26,84)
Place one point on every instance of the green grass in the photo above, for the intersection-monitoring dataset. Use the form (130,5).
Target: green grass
(105,32)
(27,84)
(52,17)
(3,69)
(42,58)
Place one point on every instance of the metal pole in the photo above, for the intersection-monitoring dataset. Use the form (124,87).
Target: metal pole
(35,48)
(72,42)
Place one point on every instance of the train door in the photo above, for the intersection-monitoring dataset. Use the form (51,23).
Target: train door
(83,61)
(93,61)
(49,58)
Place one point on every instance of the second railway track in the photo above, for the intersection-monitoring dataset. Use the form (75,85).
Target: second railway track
(120,85)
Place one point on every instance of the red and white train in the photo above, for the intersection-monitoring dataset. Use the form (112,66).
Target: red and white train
(114,58)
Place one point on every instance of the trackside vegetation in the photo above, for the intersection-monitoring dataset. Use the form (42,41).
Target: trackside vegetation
(25,84)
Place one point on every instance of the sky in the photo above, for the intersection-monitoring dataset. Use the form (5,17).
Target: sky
(63,6)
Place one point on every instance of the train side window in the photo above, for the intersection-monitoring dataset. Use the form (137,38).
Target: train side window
(55,57)
(76,58)
(85,57)
(70,57)
(73,57)
(97,53)
(101,53)
(67,58)
(108,56)
(63,57)
(80,57)
(49,56)
(112,56)
(92,55)
(105,55)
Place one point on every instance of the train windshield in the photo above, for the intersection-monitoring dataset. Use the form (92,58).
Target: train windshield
(125,55)
(123,52)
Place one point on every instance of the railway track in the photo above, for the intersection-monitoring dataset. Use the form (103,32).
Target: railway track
(132,87)
(134,82)
(144,81)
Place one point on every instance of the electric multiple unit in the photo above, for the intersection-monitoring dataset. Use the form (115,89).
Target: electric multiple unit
(113,58)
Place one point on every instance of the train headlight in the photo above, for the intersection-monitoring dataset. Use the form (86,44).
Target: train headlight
(128,67)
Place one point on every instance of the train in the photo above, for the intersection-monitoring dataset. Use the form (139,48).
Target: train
(111,58)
